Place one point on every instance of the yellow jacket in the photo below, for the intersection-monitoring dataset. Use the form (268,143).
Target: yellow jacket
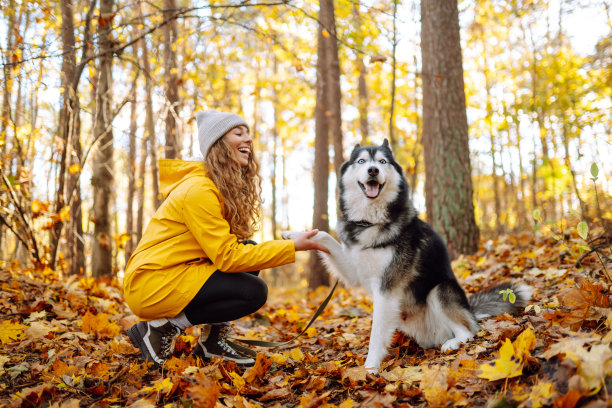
(186,241)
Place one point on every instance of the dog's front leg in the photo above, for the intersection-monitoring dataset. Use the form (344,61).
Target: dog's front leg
(337,261)
(384,323)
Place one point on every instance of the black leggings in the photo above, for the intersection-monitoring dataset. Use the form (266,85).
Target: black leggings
(227,296)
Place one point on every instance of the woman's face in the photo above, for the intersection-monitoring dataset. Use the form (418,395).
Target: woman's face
(241,144)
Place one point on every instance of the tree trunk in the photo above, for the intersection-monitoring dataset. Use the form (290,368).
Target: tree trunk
(392,138)
(448,183)
(334,94)
(102,179)
(317,275)
(362,86)
(131,193)
(69,192)
(172,148)
(5,116)
(150,129)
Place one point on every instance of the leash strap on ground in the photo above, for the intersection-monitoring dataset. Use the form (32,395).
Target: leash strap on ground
(271,344)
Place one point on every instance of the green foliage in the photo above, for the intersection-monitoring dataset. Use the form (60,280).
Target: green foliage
(594,171)
(583,230)
(508,295)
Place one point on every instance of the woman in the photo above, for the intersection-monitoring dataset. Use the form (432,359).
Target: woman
(194,264)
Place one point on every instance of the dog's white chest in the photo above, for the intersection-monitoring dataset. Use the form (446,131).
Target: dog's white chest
(370,265)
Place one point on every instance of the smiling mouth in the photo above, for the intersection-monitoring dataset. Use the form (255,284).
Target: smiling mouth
(245,150)
(372,188)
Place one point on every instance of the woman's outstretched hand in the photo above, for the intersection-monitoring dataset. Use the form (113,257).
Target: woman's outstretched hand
(303,241)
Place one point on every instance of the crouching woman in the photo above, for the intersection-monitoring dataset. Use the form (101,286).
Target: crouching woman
(195,264)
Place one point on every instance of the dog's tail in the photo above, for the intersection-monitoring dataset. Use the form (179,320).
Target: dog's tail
(490,302)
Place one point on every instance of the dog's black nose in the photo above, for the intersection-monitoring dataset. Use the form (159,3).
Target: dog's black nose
(373,171)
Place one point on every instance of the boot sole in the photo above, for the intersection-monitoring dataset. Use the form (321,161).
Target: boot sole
(199,353)
(137,341)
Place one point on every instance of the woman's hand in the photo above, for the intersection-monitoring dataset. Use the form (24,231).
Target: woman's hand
(303,241)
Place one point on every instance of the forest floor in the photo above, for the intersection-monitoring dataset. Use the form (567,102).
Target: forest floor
(63,344)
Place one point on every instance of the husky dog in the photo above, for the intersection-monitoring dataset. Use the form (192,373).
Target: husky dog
(401,261)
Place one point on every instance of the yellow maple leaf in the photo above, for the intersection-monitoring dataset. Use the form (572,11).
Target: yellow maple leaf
(311,332)
(508,364)
(511,358)
(296,354)
(11,331)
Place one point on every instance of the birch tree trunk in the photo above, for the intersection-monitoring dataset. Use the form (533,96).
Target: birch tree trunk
(448,183)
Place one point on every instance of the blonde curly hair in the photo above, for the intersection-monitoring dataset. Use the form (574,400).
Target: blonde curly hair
(239,186)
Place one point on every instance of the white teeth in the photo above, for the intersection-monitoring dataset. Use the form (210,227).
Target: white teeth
(244,150)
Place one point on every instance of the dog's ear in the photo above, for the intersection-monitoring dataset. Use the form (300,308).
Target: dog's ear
(385,143)
(357,146)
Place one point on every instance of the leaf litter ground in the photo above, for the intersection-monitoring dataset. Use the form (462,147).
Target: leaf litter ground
(63,344)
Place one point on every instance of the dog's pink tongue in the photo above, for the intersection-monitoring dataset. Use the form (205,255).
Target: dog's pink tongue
(371,190)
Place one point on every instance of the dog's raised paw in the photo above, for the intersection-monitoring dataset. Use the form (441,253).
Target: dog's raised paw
(287,234)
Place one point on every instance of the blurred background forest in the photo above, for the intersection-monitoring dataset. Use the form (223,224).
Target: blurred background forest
(95,92)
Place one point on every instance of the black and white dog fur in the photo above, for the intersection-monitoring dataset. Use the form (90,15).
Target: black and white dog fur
(401,261)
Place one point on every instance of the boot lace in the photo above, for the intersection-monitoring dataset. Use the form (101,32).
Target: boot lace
(224,332)
(167,342)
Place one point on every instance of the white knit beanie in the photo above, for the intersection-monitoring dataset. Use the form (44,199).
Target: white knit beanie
(212,125)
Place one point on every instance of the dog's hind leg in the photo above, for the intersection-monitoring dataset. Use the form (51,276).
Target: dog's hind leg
(454,314)
(384,323)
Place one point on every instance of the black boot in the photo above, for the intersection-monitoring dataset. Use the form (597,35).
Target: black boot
(155,339)
(213,343)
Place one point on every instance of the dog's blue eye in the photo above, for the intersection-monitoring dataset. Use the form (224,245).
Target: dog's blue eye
(361,161)
(383,161)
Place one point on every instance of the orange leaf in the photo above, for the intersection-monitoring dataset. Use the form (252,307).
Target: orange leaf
(99,325)
(204,392)
(262,364)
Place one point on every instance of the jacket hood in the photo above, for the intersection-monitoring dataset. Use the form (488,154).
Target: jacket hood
(173,172)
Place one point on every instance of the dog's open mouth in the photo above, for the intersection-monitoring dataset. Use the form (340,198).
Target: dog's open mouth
(371,188)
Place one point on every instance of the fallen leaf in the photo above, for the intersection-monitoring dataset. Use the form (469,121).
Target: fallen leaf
(435,388)
(99,325)
(403,374)
(11,331)
(511,358)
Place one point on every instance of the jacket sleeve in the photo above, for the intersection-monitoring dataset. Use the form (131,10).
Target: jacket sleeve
(204,218)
